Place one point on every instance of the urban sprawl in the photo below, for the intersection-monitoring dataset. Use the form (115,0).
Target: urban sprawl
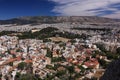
(72,59)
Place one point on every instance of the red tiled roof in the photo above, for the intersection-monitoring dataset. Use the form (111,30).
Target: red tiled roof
(28,61)
(12,60)
(88,51)
(92,63)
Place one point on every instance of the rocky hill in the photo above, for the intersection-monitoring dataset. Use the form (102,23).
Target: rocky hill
(112,72)
(57,19)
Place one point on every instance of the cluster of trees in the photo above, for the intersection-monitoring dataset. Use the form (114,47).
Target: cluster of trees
(51,32)
(94,29)
(109,54)
(101,46)
(42,34)
(28,76)
(68,73)
(22,65)
(6,32)
(46,33)
(58,59)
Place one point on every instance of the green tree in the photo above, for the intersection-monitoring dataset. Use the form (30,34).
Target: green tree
(71,71)
(28,76)
(22,65)
(60,73)
(103,63)
(49,67)
(58,59)
(101,46)
(118,50)
(11,64)
(49,53)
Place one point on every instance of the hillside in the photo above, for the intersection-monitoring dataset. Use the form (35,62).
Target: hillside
(113,71)
(57,19)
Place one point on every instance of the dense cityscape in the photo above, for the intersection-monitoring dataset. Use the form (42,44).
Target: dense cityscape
(58,51)
(59,39)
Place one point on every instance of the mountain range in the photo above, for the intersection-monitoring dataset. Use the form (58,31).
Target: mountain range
(58,19)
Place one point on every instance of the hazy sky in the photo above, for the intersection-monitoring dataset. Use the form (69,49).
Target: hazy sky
(17,8)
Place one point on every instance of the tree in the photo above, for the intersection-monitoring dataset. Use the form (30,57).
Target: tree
(22,65)
(101,47)
(60,73)
(103,63)
(71,71)
(49,67)
(81,68)
(27,76)
(17,76)
(49,77)
(49,53)
(11,64)
(58,59)
(118,50)
(111,55)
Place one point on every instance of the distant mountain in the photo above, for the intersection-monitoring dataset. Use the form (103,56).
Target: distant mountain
(58,19)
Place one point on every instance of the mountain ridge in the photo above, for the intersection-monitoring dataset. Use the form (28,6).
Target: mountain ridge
(58,19)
